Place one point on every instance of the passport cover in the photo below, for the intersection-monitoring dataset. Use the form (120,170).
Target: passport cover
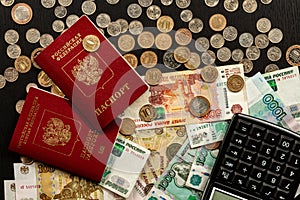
(100,84)
(49,130)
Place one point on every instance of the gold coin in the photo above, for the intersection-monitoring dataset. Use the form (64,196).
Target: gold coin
(293,55)
(56,90)
(217,22)
(91,43)
(153,76)
(182,54)
(132,59)
(22,64)
(21,13)
(213,146)
(44,80)
(26,160)
(199,106)
(148,59)
(19,106)
(34,54)
(235,83)
(147,113)
(165,24)
(183,36)
(127,126)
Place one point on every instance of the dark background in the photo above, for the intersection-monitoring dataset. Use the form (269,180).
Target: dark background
(283,14)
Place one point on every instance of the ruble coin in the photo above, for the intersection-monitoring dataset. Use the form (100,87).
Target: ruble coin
(88,7)
(44,80)
(293,55)
(153,76)
(26,160)
(194,61)
(275,35)
(19,106)
(153,12)
(11,36)
(237,55)
(211,3)
(263,25)
(235,83)
(91,43)
(131,59)
(126,42)
(199,106)
(21,13)
(274,53)
(231,5)
(183,36)
(22,64)
(247,65)
(2,81)
(183,3)
(196,25)
(208,57)
(224,54)
(146,39)
(147,113)
(182,54)
(127,126)
(209,74)
(33,55)
(11,74)
(165,24)
(217,22)
(163,41)
(56,90)
(148,59)
(169,60)
(249,6)
(271,67)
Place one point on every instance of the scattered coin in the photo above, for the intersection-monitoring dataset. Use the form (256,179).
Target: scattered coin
(65,3)
(33,55)
(237,55)
(252,53)
(22,64)
(217,22)
(56,90)
(11,36)
(127,126)
(209,74)
(145,39)
(274,53)
(194,61)
(11,74)
(172,149)
(153,12)
(123,23)
(21,13)
(2,81)
(46,39)
(199,106)
(134,10)
(114,29)
(231,5)
(102,20)
(148,59)
(165,24)
(48,3)
(19,106)
(33,35)
(217,40)
(135,27)
(196,25)
(275,35)
(183,3)
(44,80)
(266,1)
(60,12)
(169,60)
(166,2)
(247,65)
(153,76)
(224,54)
(211,3)
(91,43)
(145,3)
(58,26)
(112,2)
(230,33)
(71,19)
(163,41)
(293,55)
(246,40)
(208,57)
(235,83)
(29,85)
(186,15)
(263,25)
(126,42)
(26,160)
(13,51)
(261,41)
(88,7)
(183,36)
(249,6)
(132,59)
(7,3)
(213,146)
(202,44)
(147,113)
(182,54)
(271,67)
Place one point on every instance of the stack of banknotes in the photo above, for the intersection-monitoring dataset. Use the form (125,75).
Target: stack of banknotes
(180,148)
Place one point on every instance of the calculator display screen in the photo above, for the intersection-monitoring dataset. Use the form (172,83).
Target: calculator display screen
(218,194)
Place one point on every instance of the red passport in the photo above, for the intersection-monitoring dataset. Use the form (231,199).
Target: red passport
(49,130)
(100,84)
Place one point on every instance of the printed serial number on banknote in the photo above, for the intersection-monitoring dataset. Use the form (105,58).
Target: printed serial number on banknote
(172,96)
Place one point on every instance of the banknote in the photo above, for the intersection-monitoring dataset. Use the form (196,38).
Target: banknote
(206,133)
(264,103)
(42,182)
(172,181)
(156,194)
(124,166)
(172,96)
(9,190)
(202,166)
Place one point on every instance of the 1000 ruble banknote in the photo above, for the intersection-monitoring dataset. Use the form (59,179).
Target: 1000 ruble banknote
(172,96)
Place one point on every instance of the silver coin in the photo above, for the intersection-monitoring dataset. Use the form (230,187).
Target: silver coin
(33,35)
(202,44)
(145,3)
(230,33)
(271,67)
(65,3)
(261,41)
(249,6)
(231,5)
(58,26)
(2,81)
(71,19)
(29,85)
(186,15)
(153,12)
(274,53)
(113,29)
(7,3)
(208,57)
(266,1)
(135,27)
(126,42)
(166,2)
(194,61)
(224,54)
(123,23)
(11,36)
(13,51)
(247,65)
(196,25)
(246,40)
(169,60)
(163,41)
(182,3)
(211,3)
(145,39)
(48,3)
(253,53)
(46,39)
(19,106)
(134,10)
(88,7)
(112,2)
(11,74)
(237,55)
(217,40)
(263,25)
(60,11)
(102,20)
(275,35)
(172,150)
(153,76)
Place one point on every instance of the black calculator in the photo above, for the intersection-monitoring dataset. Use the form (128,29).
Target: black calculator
(258,160)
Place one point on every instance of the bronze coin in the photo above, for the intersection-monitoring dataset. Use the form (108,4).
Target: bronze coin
(148,59)
(132,59)
(293,55)
(235,83)
(217,22)
(213,146)
(147,113)
(199,106)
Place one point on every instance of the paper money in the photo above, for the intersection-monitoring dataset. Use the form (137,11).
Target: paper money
(265,104)
(9,190)
(172,96)
(206,133)
(42,182)
(172,181)
(124,166)
(157,194)
(201,168)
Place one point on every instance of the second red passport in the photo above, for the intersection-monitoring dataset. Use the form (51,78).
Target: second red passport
(49,130)
(100,83)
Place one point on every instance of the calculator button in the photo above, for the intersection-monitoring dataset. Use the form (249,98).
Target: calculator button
(253,185)
(229,163)
(234,151)
(239,180)
(297,147)
(282,195)
(262,161)
(286,143)
(272,179)
(248,156)
(290,172)
(285,184)
(244,126)
(267,190)
(258,132)
(281,155)
(276,166)
(252,144)
(258,173)
(272,137)
(239,139)
(266,149)
(225,175)
(294,160)
(244,168)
